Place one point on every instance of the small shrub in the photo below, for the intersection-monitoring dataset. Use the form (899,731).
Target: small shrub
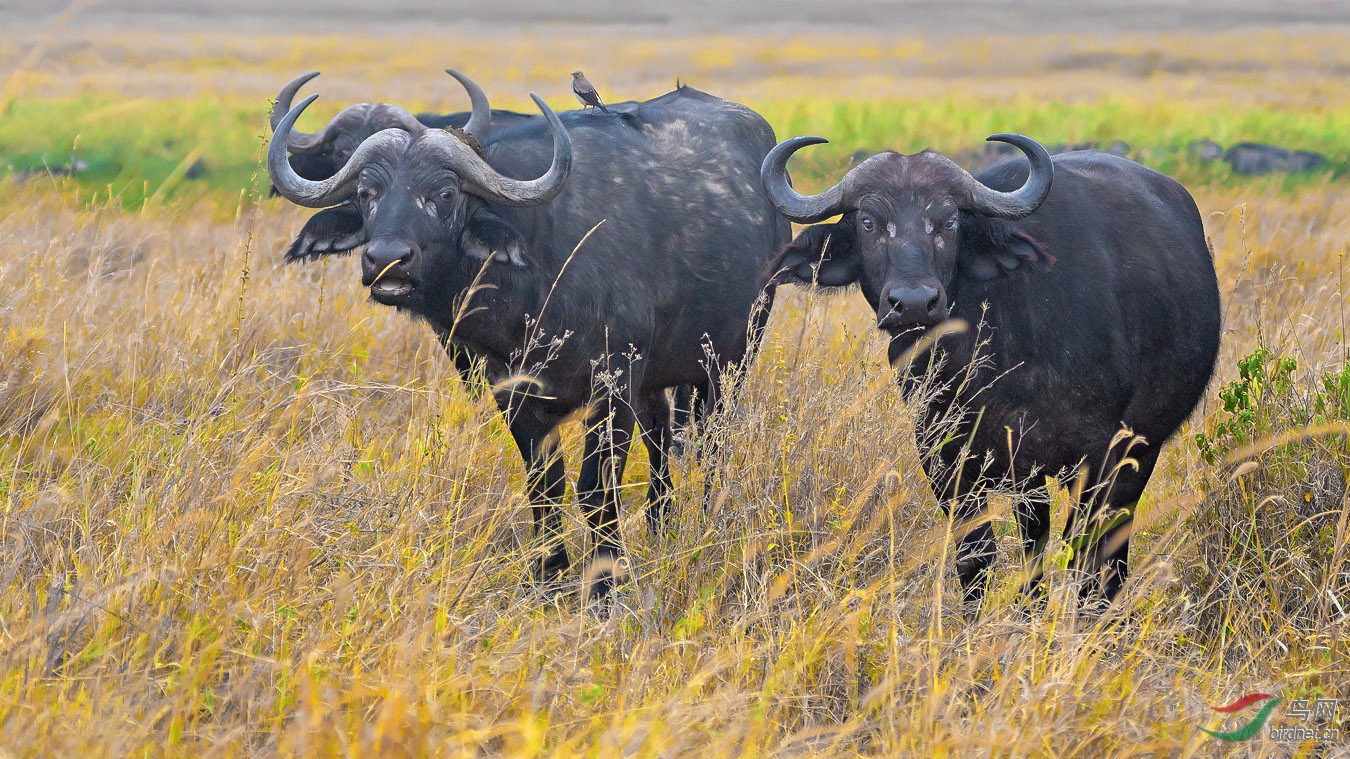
(1272,538)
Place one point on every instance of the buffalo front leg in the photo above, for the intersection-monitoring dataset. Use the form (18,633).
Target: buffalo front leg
(467,364)
(654,421)
(682,420)
(1033,521)
(975,550)
(964,503)
(535,436)
(609,434)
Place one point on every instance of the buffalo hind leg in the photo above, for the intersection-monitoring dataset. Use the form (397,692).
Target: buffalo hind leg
(609,434)
(1101,547)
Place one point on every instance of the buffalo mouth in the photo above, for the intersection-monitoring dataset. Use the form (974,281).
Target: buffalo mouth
(392,288)
(895,324)
(386,288)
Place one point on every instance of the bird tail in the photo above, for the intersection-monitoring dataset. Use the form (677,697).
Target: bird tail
(603,108)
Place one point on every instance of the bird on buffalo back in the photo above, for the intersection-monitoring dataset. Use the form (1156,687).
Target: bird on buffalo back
(585,91)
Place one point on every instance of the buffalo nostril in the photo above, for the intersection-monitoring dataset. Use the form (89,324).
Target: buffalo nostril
(916,304)
(382,256)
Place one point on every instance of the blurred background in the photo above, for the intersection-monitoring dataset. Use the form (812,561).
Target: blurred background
(705,16)
(1147,78)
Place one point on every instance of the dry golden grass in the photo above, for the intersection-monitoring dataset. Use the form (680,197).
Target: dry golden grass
(245,512)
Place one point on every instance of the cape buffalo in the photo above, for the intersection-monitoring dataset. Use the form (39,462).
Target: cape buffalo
(1093,324)
(1254,158)
(1204,150)
(634,262)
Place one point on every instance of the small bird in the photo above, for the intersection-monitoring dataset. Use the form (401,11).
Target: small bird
(585,91)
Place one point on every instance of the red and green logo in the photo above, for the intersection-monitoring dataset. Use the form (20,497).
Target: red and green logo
(1251,728)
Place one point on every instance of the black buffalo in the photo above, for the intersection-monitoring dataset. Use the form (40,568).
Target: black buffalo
(1091,301)
(634,262)
(1254,158)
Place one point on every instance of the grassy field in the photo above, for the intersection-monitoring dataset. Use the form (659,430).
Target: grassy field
(243,511)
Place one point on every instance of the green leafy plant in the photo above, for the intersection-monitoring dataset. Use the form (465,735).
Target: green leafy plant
(1262,377)
(1272,520)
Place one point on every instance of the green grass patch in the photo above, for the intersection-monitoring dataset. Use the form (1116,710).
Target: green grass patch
(137,150)
(143,150)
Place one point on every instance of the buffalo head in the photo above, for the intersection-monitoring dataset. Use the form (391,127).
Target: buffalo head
(902,231)
(421,202)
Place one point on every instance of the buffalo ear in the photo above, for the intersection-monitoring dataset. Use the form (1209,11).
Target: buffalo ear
(825,255)
(1002,250)
(487,234)
(333,230)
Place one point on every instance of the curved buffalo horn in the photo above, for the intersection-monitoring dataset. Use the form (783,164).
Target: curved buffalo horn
(482,179)
(803,209)
(486,182)
(480,122)
(304,142)
(300,142)
(1019,203)
(287,94)
(326,192)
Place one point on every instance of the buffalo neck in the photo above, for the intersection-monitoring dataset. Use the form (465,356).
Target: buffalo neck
(500,317)
(937,355)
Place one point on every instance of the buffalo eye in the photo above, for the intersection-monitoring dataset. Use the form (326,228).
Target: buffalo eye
(950,224)
(447,193)
(867,223)
(364,193)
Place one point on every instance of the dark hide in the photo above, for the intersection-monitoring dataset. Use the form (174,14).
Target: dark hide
(500,119)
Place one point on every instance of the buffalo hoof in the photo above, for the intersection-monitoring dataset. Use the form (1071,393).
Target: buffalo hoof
(548,572)
(972,599)
(607,568)
(656,516)
(1031,602)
